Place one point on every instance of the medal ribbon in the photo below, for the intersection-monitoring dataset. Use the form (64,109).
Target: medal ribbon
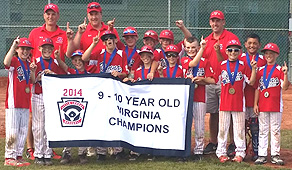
(267,81)
(26,73)
(164,56)
(105,66)
(143,74)
(195,69)
(129,57)
(43,64)
(173,73)
(232,78)
(248,59)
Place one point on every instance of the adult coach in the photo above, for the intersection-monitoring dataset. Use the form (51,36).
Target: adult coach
(51,30)
(85,33)
(215,52)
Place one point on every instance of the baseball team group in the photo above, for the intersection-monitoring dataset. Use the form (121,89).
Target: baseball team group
(242,91)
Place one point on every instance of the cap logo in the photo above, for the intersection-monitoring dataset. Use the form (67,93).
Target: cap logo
(171,47)
(149,33)
(26,42)
(270,46)
(216,13)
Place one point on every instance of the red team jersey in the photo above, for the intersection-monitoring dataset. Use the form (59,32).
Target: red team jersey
(16,97)
(232,102)
(59,39)
(89,70)
(54,67)
(273,102)
(210,53)
(204,70)
(134,62)
(138,74)
(118,63)
(249,90)
(179,73)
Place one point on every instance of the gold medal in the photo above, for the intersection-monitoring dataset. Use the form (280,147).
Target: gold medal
(27,90)
(196,86)
(266,94)
(231,90)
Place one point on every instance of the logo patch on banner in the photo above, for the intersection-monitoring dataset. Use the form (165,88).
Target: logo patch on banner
(72,111)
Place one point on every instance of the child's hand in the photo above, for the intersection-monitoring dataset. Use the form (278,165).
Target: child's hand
(197,80)
(256,109)
(95,39)
(179,23)
(253,63)
(160,68)
(48,71)
(69,32)
(15,42)
(203,43)
(150,76)
(217,46)
(285,68)
(190,76)
(82,27)
(115,73)
(111,24)
(57,53)
(33,66)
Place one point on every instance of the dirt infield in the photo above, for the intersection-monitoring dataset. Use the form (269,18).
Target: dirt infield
(286,120)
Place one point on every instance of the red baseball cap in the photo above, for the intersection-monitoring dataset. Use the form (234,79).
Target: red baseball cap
(24,42)
(46,41)
(233,43)
(108,33)
(77,53)
(130,31)
(147,49)
(217,14)
(166,34)
(271,47)
(94,6)
(52,6)
(151,34)
(172,48)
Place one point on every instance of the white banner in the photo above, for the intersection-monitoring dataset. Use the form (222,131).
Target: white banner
(98,110)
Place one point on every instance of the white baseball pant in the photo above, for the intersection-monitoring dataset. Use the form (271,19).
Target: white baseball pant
(16,123)
(199,112)
(42,149)
(238,129)
(270,120)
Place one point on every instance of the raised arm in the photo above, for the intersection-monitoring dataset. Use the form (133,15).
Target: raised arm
(180,24)
(70,36)
(197,58)
(10,53)
(87,53)
(286,82)
(61,63)
(253,64)
(77,39)
(217,50)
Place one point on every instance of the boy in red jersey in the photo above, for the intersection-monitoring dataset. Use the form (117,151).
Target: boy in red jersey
(17,100)
(232,74)
(268,104)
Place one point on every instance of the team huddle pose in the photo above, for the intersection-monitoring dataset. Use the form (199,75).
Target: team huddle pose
(242,91)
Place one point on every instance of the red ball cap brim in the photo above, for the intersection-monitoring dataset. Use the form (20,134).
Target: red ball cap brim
(271,47)
(53,7)
(217,14)
(93,6)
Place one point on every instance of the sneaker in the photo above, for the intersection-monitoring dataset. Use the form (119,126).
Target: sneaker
(261,160)
(223,159)
(277,160)
(39,161)
(197,157)
(55,155)
(237,159)
(48,161)
(100,157)
(29,153)
(66,158)
(150,157)
(210,148)
(231,150)
(21,160)
(91,151)
(119,156)
(83,159)
(13,162)
(133,157)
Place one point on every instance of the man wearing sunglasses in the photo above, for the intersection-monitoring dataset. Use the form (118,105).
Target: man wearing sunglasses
(215,52)
(86,32)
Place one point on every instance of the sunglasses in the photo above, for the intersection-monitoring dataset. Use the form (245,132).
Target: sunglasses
(233,49)
(129,32)
(171,55)
(94,6)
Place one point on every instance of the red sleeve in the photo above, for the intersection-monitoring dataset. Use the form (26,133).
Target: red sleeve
(156,55)
(137,63)
(185,63)
(120,45)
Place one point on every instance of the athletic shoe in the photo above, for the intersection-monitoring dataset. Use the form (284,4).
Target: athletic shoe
(261,160)
(48,161)
(82,159)
(210,148)
(197,157)
(133,157)
(237,159)
(13,162)
(39,161)
(55,155)
(223,159)
(150,157)
(66,157)
(21,160)
(119,156)
(91,151)
(29,153)
(100,157)
(277,160)
(231,150)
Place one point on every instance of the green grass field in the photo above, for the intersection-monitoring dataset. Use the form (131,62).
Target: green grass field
(209,162)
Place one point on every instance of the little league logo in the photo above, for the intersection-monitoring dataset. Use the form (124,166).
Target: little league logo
(72,111)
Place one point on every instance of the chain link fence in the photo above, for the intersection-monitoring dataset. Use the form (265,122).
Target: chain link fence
(267,18)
